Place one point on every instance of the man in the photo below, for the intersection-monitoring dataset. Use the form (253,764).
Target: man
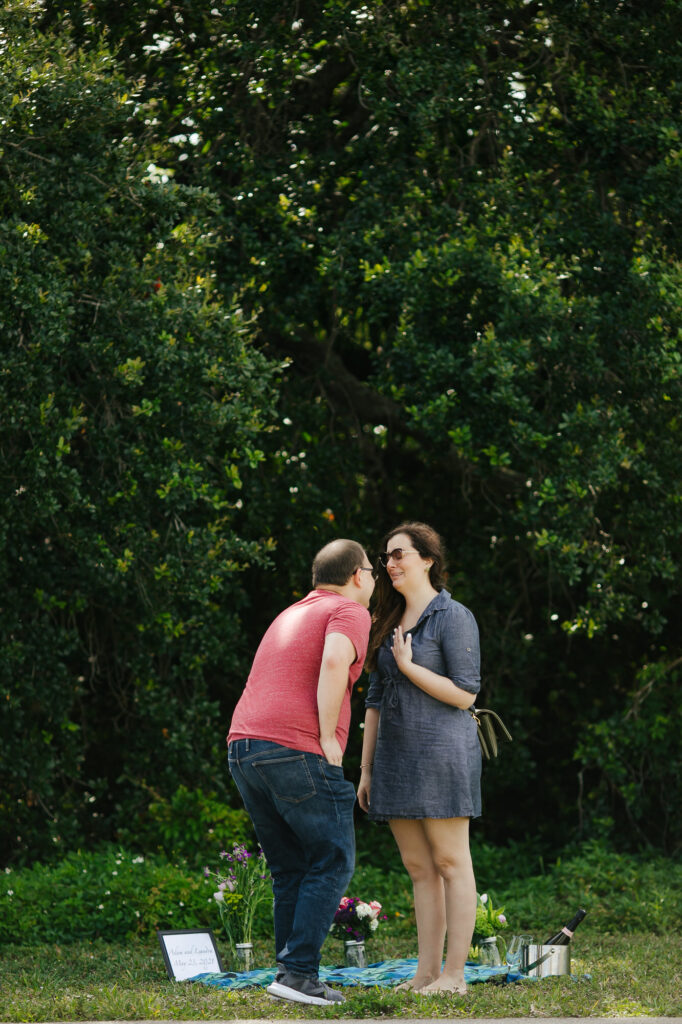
(285,746)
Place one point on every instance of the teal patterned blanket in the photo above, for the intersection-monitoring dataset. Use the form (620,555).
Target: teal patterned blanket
(386,973)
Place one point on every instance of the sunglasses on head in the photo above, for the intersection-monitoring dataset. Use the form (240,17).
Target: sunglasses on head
(396,554)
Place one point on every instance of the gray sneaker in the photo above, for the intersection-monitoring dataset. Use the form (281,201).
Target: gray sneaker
(299,989)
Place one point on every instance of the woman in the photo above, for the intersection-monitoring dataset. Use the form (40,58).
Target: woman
(421,760)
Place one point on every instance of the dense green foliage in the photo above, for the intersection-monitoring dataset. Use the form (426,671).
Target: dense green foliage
(116,895)
(190,826)
(110,894)
(133,404)
(456,224)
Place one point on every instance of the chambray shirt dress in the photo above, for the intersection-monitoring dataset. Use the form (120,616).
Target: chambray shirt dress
(427,762)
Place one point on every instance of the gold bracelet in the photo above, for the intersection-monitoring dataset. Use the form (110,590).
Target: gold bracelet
(367,765)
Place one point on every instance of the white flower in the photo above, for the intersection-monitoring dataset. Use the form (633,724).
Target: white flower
(10,892)
(138,860)
(484,897)
(219,896)
(373,924)
(363,910)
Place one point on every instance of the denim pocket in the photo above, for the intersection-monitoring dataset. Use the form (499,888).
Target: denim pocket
(287,778)
(335,783)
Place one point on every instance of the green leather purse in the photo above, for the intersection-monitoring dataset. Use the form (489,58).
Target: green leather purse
(490,728)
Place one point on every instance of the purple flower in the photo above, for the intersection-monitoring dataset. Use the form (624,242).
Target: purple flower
(356,918)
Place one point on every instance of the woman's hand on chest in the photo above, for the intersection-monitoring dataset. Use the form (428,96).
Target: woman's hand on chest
(401,646)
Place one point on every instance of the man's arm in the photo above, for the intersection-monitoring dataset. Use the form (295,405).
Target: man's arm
(337,657)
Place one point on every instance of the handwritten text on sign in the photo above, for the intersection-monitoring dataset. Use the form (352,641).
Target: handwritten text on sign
(190,955)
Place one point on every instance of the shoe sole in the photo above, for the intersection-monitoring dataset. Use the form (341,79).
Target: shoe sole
(291,995)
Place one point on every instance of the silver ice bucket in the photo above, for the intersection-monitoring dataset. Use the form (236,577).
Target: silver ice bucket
(545,961)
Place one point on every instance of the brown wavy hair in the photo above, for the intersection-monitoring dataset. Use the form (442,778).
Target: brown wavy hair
(388,604)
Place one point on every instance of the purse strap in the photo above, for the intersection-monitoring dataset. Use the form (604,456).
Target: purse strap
(487,721)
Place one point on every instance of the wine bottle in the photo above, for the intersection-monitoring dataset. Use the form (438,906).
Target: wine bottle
(563,937)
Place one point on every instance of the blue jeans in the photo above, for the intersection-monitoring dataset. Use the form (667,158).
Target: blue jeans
(302,811)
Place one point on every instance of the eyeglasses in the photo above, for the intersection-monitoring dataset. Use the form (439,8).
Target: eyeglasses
(365,568)
(396,555)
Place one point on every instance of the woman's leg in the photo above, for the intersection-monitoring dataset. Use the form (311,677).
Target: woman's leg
(448,840)
(429,898)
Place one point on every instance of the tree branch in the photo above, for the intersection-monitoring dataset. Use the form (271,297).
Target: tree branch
(347,394)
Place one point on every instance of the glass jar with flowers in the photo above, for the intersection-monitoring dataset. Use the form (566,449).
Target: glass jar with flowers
(244,886)
(488,946)
(355,921)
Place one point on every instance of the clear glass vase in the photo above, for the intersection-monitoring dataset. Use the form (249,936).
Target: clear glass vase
(489,953)
(244,956)
(354,951)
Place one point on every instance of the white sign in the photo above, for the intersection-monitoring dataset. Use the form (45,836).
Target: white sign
(189,952)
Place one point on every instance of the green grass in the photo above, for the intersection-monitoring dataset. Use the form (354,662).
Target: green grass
(626,957)
(625,975)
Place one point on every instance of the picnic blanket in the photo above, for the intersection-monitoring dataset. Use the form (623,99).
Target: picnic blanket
(386,973)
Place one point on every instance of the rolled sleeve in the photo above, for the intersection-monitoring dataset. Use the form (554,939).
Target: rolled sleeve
(461,648)
(375,691)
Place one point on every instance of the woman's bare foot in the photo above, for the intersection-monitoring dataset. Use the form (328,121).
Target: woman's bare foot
(416,984)
(455,986)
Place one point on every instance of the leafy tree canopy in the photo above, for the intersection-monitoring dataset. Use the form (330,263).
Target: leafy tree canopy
(458,223)
(134,406)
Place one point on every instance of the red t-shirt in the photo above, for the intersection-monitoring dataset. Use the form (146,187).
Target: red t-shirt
(279,702)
